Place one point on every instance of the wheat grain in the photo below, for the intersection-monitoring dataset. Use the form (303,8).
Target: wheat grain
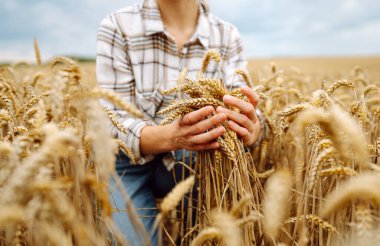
(213,87)
(190,88)
(315,220)
(318,162)
(344,171)
(226,150)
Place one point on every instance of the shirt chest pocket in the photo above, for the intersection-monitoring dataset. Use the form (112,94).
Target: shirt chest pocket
(149,102)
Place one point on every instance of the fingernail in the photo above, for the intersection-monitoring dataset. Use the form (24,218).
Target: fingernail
(222,116)
(227,97)
(210,108)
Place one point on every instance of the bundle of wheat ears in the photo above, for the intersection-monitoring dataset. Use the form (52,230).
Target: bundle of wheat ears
(312,179)
(222,174)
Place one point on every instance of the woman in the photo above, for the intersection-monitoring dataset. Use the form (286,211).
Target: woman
(141,50)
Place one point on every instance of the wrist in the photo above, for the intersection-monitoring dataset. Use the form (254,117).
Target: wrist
(169,139)
(157,139)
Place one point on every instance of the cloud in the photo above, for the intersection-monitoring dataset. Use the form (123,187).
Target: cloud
(268,28)
(296,27)
(62,27)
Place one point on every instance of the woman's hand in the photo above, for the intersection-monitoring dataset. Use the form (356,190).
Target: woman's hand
(196,132)
(245,123)
(199,130)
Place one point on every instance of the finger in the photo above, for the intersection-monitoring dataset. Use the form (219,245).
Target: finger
(198,115)
(246,107)
(251,95)
(212,145)
(241,131)
(207,136)
(207,124)
(239,118)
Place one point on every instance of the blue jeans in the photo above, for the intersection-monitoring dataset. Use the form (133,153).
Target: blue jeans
(143,184)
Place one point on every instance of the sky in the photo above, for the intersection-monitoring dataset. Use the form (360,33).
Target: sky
(269,28)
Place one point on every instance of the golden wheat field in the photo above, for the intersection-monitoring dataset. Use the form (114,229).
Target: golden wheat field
(312,179)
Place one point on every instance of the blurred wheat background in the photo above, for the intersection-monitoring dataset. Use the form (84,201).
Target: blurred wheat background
(313,179)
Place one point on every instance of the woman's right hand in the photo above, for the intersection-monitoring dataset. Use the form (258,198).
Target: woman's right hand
(194,131)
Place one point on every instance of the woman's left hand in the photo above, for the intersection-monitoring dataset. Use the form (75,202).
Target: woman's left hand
(245,123)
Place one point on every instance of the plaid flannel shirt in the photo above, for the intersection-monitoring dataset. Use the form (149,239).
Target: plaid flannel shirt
(137,58)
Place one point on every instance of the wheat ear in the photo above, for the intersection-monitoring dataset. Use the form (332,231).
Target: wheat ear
(37,52)
(364,187)
(315,220)
(338,84)
(277,191)
(211,54)
(207,234)
(246,77)
(115,122)
(344,171)
(31,103)
(321,158)
(117,101)
(196,103)
(237,210)
(174,197)
(126,150)
(176,114)
(229,228)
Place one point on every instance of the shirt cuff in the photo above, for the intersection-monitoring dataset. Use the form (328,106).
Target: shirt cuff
(133,138)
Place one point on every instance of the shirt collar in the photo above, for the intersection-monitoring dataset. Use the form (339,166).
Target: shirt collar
(151,17)
(203,27)
(153,22)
